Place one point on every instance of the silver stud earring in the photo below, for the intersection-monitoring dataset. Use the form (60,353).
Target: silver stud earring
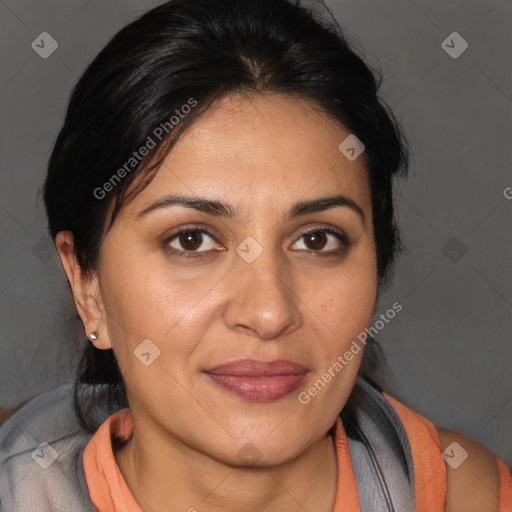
(94,335)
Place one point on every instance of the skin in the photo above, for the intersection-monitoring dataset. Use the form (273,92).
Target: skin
(261,154)
(473,486)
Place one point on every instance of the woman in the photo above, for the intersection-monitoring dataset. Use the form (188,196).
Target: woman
(220,196)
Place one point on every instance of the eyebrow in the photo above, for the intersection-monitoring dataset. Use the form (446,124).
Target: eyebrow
(225,210)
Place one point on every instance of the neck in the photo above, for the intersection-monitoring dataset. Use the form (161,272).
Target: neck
(172,476)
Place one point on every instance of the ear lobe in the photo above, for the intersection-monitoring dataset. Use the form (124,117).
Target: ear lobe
(86,291)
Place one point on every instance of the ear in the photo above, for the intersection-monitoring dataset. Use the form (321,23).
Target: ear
(86,291)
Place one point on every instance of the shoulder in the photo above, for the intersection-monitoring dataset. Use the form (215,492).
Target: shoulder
(472,477)
(41,448)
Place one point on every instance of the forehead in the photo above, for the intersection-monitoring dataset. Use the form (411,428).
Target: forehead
(260,150)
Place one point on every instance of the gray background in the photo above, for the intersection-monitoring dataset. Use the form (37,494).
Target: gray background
(449,350)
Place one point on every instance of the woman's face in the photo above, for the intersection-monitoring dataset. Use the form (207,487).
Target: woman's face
(253,285)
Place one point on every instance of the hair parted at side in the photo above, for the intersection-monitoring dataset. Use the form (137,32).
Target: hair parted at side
(205,50)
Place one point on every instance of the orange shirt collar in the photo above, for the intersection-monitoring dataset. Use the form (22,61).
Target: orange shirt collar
(109,492)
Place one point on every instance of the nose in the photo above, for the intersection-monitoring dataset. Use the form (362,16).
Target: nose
(262,301)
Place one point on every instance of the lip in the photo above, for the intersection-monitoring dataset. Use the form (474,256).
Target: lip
(258,381)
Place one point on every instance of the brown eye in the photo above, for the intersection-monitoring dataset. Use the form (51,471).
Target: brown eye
(315,240)
(188,241)
(322,240)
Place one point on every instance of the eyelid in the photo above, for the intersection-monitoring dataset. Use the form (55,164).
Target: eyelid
(324,227)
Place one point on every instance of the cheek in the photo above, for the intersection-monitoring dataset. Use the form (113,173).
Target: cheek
(345,303)
(341,318)
(344,319)
(152,301)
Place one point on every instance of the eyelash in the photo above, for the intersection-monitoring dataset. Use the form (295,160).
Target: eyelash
(317,229)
